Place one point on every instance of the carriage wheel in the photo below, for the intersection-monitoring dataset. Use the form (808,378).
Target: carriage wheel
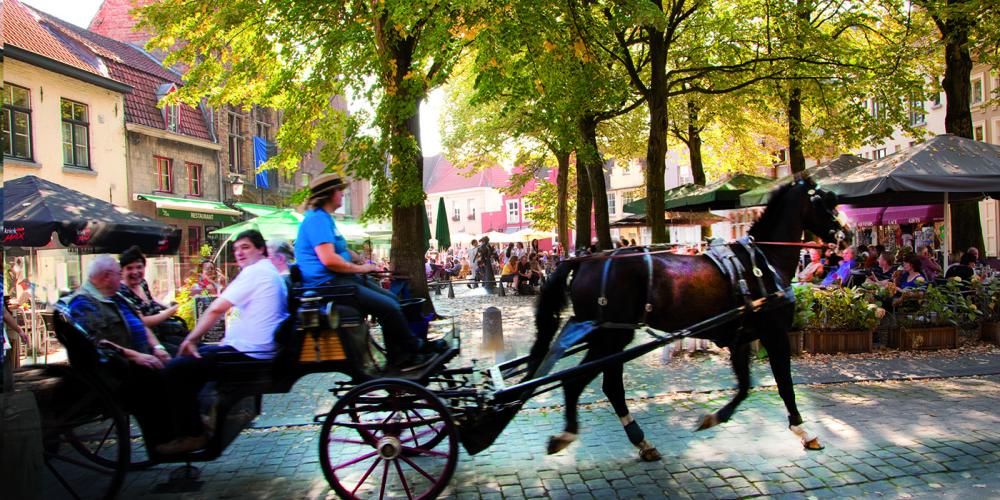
(139,457)
(408,445)
(88,449)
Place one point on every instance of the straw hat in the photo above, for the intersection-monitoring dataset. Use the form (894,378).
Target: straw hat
(325,184)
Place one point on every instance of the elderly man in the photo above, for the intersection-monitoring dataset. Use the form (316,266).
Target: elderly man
(842,275)
(115,327)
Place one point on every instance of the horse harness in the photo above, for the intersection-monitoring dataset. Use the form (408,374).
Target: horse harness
(602,301)
(721,254)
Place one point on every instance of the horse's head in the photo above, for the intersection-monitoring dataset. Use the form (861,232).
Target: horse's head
(820,213)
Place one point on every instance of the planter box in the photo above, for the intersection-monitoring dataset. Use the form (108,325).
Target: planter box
(795,342)
(834,341)
(924,338)
(991,332)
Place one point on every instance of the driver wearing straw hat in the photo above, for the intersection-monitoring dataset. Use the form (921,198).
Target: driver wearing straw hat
(324,259)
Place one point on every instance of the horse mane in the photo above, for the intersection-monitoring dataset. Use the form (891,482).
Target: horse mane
(772,216)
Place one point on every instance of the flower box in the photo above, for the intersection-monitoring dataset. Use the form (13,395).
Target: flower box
(834,341)
(991,332)
(795,342)
(923,338)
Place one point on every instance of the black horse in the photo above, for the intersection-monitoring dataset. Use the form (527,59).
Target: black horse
(685,290)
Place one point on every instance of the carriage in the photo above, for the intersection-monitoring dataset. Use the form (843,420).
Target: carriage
(389,434)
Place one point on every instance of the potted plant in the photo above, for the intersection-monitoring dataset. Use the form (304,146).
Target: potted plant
(805,301)
(842,321)
(928,318)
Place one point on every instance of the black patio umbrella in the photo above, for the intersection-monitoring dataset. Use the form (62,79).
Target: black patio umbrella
(35,208)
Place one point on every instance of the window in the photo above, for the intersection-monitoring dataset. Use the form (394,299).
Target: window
(75,134)
(16,122)
(977,92)
(781,155)
(235,143)
(172,115)
(936,100)
(513,211)
(164,174)
(471,210)
(611,204)
(526,207)
(264,131)
(979,132)
(456,214)
(630,196)
(194,240)
(878,154)
(916,112)
(877,109)
(194,179)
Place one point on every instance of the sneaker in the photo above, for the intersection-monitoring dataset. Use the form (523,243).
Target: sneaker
(434,346)
(182,445)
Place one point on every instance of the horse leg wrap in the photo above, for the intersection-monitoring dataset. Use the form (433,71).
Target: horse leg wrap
(809,441)
(634,432)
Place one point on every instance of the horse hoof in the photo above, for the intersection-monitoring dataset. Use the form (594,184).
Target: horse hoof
(708,422)
(813,444)
(650,455)
(560,443)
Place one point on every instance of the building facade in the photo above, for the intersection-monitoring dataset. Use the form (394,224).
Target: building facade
(467,196)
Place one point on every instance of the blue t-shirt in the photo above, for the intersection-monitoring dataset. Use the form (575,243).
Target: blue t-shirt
(317,228)
(843,272)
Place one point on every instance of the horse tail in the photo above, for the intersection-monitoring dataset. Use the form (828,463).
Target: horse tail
(550,304)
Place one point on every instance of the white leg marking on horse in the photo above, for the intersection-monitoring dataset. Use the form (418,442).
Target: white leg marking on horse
(809,441)
(627,419)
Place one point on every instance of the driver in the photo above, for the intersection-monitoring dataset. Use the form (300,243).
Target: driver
(322,255)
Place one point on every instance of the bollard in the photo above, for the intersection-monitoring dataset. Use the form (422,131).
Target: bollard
(492,330)
(451,290)
(503,292)
(437,289)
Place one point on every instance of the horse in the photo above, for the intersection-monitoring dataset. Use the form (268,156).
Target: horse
(684,290)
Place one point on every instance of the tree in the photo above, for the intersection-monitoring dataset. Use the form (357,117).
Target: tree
(965,26)
(297,55)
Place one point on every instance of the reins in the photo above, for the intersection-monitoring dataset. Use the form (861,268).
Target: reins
(649,251)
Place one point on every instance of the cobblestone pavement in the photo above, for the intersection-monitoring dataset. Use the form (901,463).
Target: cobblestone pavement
(894,425)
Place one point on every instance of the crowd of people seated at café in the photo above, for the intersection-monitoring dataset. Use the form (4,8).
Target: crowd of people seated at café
(522,267)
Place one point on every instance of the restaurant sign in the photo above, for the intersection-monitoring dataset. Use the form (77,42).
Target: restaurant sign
(203,216)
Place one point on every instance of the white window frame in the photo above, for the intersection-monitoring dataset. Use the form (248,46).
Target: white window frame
(472,208)
(612,206)
(172,117)
(918,115)
(996,130)
(976,98)
(514,211)
(526,207)
(979,124)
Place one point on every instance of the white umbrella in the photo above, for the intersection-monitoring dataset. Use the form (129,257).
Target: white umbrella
(531,234)
(498,237)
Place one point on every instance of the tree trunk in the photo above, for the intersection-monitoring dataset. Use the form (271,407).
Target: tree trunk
(694,145)
(796,158)
(583,206)
(562,205)
(591,160)
(966,228)
(656,146)
(408,225)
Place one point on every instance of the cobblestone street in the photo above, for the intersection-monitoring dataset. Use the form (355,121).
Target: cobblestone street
(936,436)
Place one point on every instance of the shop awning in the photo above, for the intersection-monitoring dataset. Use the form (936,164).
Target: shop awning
(185,208)
(887,216)
(721,195)
(257,210)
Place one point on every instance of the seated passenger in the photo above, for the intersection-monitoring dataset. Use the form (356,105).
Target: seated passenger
(812,270)
(842,275)
(261,299)
(112,324)
(963,269)
(323,258)
(911,277)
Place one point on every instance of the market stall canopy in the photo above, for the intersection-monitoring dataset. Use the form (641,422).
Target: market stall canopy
(35,208)
(672,218)
(528,234)
(720,195)
(284,225)
(498,237)
(884,216)
(256,209)
(186,208)
(759,196)
(963,168)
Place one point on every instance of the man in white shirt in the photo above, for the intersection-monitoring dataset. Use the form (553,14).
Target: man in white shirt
(261,299)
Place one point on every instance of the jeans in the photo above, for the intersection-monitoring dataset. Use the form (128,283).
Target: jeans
(384,306)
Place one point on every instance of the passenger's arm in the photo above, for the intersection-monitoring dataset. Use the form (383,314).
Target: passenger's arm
(334,262)
(215,311)
(155,319)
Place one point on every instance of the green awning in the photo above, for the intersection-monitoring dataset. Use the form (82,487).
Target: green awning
(186,208)
(759,196)
(721,195)
(257,210)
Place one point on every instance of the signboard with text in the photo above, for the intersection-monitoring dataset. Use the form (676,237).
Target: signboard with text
(218,331)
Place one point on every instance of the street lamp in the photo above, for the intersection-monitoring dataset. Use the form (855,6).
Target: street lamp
(237,182)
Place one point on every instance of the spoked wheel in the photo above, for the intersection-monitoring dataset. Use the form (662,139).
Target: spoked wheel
(87,448)
(94,451)
(388,438)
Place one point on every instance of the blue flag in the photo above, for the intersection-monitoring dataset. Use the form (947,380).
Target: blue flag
(259,157)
